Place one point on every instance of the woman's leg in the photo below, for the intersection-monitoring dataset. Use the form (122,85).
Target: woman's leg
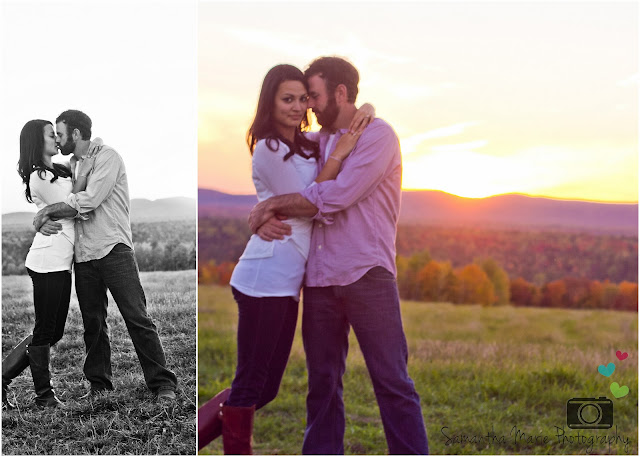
(51,293)
(261,324)
(63,309)
(264,329)
(281,353)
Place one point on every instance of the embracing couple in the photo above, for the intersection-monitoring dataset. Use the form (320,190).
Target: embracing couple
(327,215)
(83,221)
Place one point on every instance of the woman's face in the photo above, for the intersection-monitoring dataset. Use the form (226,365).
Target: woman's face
(290,105)
(50,148)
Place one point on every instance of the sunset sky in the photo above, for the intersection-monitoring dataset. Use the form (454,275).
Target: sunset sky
(130,65)
(539,98)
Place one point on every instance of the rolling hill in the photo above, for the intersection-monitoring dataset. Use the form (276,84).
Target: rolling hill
(434,207)
(142,210)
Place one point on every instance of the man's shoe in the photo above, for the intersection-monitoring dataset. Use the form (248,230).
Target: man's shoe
(166,395)
(49,402)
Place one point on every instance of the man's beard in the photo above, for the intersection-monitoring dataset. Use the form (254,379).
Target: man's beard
(68,148)
(328,115)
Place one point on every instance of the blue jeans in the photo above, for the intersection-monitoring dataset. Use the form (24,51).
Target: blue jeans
(266,327)
(118,272)
(372,307)
(51,295)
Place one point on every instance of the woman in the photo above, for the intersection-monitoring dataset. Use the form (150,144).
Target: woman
(49,259)
(267,280)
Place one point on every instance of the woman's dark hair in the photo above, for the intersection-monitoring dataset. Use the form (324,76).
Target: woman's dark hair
(262,126)
(31,149)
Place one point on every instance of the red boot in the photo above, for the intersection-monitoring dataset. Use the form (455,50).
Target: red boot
(209,421)
(237,429)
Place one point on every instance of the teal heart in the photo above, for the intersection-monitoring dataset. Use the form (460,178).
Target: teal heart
(617,390)
(608,370)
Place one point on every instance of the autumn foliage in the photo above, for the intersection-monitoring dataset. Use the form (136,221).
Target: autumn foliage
(483,282)
(555,269)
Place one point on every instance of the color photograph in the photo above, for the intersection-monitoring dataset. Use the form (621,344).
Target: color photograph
(99,227)
(417,227)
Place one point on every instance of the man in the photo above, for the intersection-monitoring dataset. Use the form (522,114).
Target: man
(104,259)
(350,279)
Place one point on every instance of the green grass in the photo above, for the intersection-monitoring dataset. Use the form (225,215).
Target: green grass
(127,421)
(476,369)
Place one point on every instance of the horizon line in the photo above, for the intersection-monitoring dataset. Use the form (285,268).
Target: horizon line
(134,198)
(607,202)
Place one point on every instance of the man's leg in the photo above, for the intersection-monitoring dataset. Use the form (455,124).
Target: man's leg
(373,309)
(325,334)
(92,299)
(119,271)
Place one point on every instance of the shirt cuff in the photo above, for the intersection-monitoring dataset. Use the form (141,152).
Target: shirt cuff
(312,193)
(72,201)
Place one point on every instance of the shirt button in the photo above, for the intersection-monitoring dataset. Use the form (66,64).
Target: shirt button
(319,247)
(319,225)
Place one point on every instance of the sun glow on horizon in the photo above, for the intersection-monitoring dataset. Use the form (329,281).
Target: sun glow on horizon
(507,112)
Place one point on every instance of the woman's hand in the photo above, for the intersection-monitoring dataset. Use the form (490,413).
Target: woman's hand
(345,145)
(88,161)
(363,117)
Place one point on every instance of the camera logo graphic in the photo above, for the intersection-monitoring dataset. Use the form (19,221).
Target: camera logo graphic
(590,413)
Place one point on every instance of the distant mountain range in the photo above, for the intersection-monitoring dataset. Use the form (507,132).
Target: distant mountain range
(142,210)
(511,210)
(418,207)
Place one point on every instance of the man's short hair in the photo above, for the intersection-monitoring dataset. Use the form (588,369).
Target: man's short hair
(75,119)
(335,71)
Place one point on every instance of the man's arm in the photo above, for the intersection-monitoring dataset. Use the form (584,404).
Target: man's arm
(104,176)
(55,211)
(376,156)
(293,205)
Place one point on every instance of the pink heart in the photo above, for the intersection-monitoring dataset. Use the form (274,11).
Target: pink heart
(621,355)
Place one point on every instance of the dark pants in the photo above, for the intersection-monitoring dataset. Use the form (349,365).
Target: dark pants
(372,307)
(266,327)
(51,294)
(118,272)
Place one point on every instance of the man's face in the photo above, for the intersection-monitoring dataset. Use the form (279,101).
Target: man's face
(64,140)
(324,105)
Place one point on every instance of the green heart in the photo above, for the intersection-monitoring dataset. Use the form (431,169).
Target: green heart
(618,391)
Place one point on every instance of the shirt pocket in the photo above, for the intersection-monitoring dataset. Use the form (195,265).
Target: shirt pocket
(42,241)
(257,248)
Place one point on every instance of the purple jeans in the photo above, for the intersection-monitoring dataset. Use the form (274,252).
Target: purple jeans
(372,307)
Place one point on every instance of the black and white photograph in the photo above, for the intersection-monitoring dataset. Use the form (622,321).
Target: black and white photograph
(99,126)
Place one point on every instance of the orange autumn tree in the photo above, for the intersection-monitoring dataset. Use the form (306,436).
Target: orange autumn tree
(499,279)
(474,286)
(437,282)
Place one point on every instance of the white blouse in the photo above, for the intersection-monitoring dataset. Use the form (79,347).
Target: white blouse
(276,269)
(54,252)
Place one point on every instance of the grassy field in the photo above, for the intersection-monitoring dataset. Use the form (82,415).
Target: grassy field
(507,371)
(127,421)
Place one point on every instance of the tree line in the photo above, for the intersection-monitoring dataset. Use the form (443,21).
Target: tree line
(556,269)
(162,246)
(483,282)
(537,256)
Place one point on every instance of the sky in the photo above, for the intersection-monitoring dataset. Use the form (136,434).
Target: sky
(130,65)
(538,98)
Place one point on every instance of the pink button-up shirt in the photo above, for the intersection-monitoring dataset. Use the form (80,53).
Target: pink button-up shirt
(355,227)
